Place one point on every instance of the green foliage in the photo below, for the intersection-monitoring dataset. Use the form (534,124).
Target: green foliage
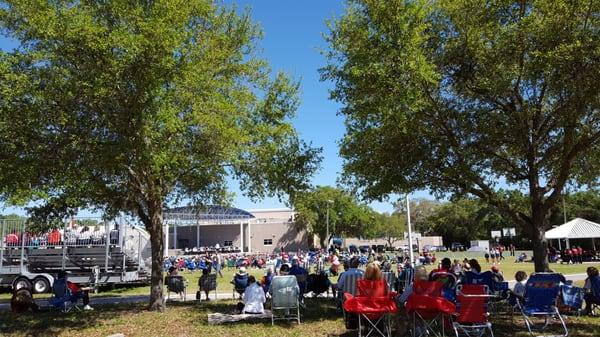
(456,96)
(390,227)
(126,106)
(347,217)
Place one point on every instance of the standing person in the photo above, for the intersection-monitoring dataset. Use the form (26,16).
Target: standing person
(580,254)
(218,264)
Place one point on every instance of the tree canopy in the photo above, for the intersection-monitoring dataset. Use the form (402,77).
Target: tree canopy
(126,106)
(347,216)
(467,97)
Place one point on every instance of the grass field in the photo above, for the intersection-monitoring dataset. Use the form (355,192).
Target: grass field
(190,319)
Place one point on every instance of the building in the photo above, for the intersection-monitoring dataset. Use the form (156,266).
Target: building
(257,231)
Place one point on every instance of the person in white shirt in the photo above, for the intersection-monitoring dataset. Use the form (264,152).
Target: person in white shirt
(254,298)
(519,289)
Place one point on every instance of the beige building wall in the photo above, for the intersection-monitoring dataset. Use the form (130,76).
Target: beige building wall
(271,229)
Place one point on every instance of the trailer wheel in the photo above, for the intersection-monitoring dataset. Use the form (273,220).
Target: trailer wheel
(41,285)
(22,283)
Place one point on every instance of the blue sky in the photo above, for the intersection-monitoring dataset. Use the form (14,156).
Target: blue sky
(292,43)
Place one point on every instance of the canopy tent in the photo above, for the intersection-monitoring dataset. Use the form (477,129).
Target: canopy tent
(575,229)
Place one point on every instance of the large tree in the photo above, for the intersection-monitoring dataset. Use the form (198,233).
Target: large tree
(130,105)
(346,215)
(466,97)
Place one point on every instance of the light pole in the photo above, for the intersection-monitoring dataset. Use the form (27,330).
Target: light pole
(410,246)
(329,201)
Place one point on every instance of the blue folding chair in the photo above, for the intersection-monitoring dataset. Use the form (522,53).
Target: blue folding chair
(572,298)
(541,292)
(62,298)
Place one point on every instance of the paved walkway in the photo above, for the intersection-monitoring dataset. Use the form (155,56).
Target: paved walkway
(100,300)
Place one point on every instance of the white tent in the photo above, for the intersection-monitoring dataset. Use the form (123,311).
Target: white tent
(575,229)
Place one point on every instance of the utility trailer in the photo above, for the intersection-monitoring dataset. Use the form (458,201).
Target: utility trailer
(93,253)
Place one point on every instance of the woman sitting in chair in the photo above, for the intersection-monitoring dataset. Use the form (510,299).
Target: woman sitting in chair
(254,298)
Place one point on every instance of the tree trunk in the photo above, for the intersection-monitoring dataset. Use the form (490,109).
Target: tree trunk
(540,244)
(155,227)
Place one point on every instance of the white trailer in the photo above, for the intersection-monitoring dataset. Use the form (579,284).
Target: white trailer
(91,256)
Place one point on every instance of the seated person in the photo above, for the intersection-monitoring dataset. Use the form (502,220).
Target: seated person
(590,297)
(254,298)
(266,280)
(301,275)
(373,273)
(518,291)
(76,291)
(354,263)
(22,301)
(207,283)
(284,270)
(240,280)
(420,275)
(174,273)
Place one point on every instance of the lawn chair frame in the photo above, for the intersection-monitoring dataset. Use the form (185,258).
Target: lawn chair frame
(548,315)
(289,288)
(476,329)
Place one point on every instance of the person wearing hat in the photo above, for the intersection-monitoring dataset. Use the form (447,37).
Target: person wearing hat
(240,280)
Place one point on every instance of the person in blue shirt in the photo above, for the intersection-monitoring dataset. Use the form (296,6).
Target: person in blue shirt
(301,275)
(354,263)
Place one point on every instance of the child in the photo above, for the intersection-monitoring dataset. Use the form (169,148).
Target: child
(519,289)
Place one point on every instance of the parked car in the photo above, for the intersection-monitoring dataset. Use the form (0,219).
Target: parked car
(457,246)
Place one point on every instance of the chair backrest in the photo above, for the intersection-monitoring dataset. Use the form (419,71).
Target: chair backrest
(372,288)
(390,280)
(284,292)
(572,296)
(209,282)
(449,282)
(59,288)
(484,278)
(472,303)
(175,283)
(541,291)
(240,281)
(428,288)
(350,283)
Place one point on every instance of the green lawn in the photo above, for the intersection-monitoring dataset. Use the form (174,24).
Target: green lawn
(190,319)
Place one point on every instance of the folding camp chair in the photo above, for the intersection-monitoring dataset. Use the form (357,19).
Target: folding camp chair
(240,282)
(541,293)
(571,299)
(349,287)
(374,304)
(429,309)
(449,281)
(390,279)
(471,319)
(176,284)
(405,278)
(284,296)
(62,297)
(208,283)
(497,290)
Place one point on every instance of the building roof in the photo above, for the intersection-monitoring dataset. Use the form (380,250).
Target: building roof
(575,229)
(213,214)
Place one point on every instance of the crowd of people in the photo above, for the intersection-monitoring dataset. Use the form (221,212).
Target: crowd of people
(72,235)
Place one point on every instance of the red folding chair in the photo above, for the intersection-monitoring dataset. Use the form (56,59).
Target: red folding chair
(429,309)
(373,305)
(472,316)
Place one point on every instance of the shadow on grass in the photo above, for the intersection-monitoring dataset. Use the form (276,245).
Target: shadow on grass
(49,322)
